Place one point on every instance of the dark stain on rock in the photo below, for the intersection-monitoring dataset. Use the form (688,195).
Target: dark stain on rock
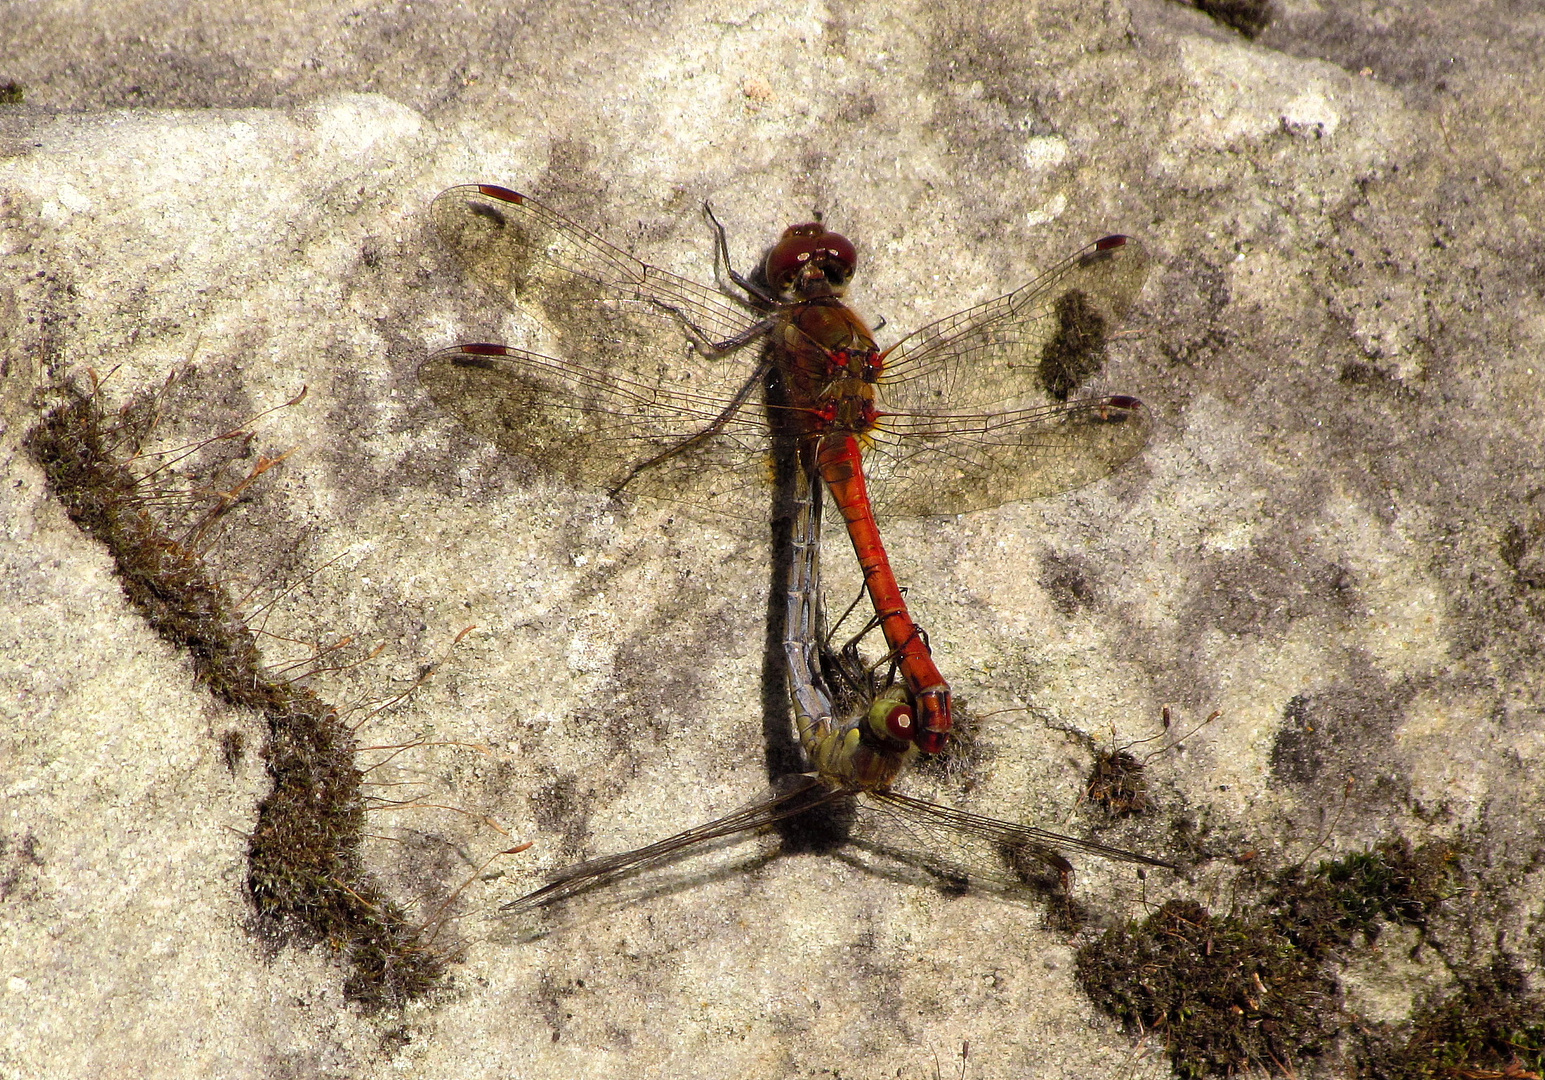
(1067,583)
(1329,732)
(19,866)
(1277,581)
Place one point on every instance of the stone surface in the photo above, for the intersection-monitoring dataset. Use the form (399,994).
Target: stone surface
(1334,537)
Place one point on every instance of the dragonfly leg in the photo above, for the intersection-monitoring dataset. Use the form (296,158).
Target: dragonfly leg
(722,251)
(712,428)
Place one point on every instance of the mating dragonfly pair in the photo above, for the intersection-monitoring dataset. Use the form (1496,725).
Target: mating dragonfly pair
(966,413)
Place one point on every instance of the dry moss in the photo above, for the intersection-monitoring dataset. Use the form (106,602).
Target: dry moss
(1118,784)
(1490,1026)
(1224,993)
(304,877)
(1229,993)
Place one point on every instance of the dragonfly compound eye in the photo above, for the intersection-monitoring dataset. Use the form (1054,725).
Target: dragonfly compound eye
(890,717)
(802,245)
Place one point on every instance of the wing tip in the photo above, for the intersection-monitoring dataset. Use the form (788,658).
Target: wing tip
(494,191)
(471,354)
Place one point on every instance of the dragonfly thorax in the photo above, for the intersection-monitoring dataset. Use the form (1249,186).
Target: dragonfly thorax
(845,407)
(868,750)
(862,363)
(831,364)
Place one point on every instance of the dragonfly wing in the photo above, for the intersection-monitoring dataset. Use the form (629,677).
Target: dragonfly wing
(1045,338)
(594,430)
(539,258)
(587,875)
(1043,845)
(951,463)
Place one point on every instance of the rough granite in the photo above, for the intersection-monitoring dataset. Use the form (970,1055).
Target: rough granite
(1336,538)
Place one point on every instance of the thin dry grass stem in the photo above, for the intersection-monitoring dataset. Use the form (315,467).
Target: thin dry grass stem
(369,905)
(192,496)
(265,608)
(416,804)
(1286,1068)
(318,651)
(330,669)
(416,744)
(1140,1050)
(435,919)
(481,748)
(1004,712)
(1346,795)
(1177,742)
(196,532)
(177,454)
(424,675)
(938,1073)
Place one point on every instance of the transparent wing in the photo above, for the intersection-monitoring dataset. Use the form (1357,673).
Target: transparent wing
(1026,840)
(539,258)
(606,431)
(587,875)
(1039,342)
(952,463)
(974,405)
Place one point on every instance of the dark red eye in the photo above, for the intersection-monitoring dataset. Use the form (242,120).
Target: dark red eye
(802,245)
(890,716)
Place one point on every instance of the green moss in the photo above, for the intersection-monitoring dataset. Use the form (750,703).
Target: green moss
(1490,1026)
(1235,992)
(304,874)
(1225,994)
(1349,898)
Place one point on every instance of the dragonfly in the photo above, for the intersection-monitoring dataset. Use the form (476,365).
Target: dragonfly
(854,751)
(968,412)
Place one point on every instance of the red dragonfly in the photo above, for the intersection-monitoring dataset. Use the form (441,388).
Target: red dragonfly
(974,405)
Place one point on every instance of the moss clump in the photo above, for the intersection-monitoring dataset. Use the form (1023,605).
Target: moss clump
(1118,784)
(1347,899)
(1225,994)
(1234,992)
(304,873)
(1491,1027)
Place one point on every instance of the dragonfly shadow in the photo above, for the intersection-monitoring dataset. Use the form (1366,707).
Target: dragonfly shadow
(869,839)
(817,829)
(1015,886)
(909,851)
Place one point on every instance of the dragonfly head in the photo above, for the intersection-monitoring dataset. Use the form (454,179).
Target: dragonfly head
(924,721)
(810,260)
(890,716)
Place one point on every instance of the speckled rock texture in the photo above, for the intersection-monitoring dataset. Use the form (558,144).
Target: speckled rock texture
(1335,539)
